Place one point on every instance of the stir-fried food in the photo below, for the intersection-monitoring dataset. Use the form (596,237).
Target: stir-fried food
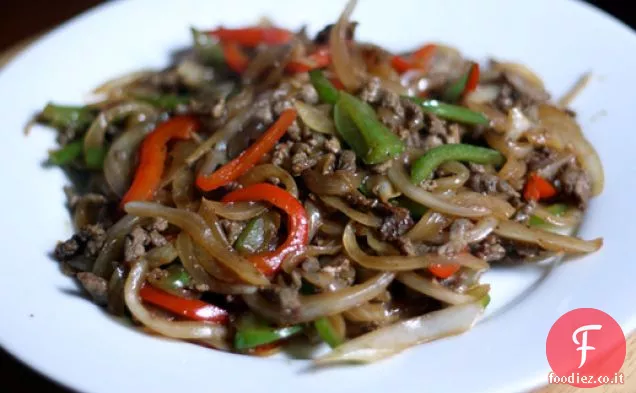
(270,186)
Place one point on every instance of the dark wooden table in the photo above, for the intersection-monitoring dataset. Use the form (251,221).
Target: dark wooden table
(22,20)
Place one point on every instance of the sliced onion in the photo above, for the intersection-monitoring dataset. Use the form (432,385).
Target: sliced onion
(380,247)
(381,186)
(264,172)
(403,263)
(518,124)
(331,228)
(429,227)
(117,85)
(484,94)
(202,235)
(314,216)
(509,148)
(571,218)
(338,183)
(520,70)
(237,211)
(547,240)
(323,304)
(371,312)
(484,227)
(343,63)
(498,206)
(94,138)
(292,262)
(184,330)
(402,182)
(459,178)
(367,219)
(578,87)
(389,340)
(119,164)
(433,289)
(183,190)
(191,263)
(114,245)
(316,119)
(560,123)
(160,256)
(223,135)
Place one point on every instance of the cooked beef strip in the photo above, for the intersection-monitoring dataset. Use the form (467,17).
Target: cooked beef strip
(490,249)
(86,243)
(96,286)
(575,184)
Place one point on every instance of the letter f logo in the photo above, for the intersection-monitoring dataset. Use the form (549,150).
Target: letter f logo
(584,347)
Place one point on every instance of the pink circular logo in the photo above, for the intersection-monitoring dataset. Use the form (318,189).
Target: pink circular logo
(585,348)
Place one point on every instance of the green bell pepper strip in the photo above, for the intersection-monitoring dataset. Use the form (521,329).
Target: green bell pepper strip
(455,90)
(326,332)
(451,112)
(251,333)
(175,281)
(207,48)
(557,209)
(348,130)
(164,101)
(424,166)
(417,210)
(67,154)
(325,89)
(485,301)
(60,116)
(94,157)
(252,237)
(380,143)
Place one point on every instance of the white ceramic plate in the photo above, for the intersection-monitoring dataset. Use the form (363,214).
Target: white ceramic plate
(64,336)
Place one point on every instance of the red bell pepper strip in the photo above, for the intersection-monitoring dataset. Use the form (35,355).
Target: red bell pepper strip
(538,188)
(443,271)
(420,59)
(152,156)
(252,36)
(250,157)
(400,64)
(473,79)
(188,308)
(336,83)
(297,224)
(319,59)
(234,57)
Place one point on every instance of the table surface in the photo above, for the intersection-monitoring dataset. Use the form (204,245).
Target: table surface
(20,378)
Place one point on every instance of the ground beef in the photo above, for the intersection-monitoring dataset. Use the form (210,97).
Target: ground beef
(96,286)
(135,244)
(488,183)
(516,92)
(142,237)
(396,224)
(232,229)
(372,91)
(407,247)
(215,108)
(457,237)
(86,244)
(490,249)
(347,161)
(524,212)
(575,184)
(308,94)
(167,81)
